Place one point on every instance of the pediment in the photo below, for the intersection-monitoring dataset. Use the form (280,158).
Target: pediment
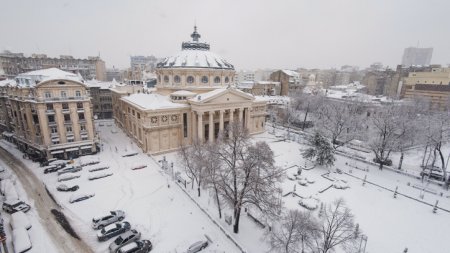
(225,96)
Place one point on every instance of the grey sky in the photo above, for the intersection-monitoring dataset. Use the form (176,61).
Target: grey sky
(250,34)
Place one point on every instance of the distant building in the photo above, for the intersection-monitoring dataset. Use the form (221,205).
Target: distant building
(260,88)
(244,76)
(384,83)
(47,113)
(431,83)
(113,74)
(414,56)
(12,64)
(147,63)
(101,98)
(290,81)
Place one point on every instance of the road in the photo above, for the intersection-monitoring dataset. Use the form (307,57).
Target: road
(43,203)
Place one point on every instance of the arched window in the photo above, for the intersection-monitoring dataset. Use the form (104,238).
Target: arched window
(216,79)
(177,79)
(190,79)
(204,79)
(227,79)
(166,79)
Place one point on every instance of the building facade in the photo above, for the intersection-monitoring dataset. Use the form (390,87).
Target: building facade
(289,80)
(13,64)
(414,56)
(47,113)
(194,99)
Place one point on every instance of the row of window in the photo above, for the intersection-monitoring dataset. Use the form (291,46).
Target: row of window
(191,79)
(65,106)
(54,129)
(51,118)
(48,94)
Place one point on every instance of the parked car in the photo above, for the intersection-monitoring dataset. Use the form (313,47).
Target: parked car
(67,177)
(65,188)
(130,154)
(434,174)
(143,246)
(124,239)
(59,163)
(198,246)
(70,169)
(112,230)
(15,206)
(50,169)
(80,197)
(113,216)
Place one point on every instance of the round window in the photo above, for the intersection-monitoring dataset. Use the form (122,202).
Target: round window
(190,79)
(177,79)
(216,79)
(204,79)
(227,79)
(166,79)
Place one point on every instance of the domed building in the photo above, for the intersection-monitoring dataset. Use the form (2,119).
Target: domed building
(195,98)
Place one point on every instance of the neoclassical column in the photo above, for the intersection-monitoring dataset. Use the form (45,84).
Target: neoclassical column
(247,117)
(231,115)
(241,113)
(193,125)
(200,126)
(230,132)
(211,126)
(221,122)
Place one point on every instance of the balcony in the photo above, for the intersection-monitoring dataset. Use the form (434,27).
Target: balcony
(65,110)
(50,112)
(80,109)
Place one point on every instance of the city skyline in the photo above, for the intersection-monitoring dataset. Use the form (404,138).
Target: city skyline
(250,35)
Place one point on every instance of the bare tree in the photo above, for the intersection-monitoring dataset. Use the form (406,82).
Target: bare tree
(337,228)
(247,174)
(212,175)
(341,122)
(193,158)
(307,103)
(295,233)
(385,133)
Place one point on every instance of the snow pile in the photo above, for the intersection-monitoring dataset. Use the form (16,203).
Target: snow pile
(309,203)
(20,220)
(302,182)
(21,240)
(8,190)
(340,185)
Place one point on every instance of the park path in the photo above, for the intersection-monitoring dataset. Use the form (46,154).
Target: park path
(44,204)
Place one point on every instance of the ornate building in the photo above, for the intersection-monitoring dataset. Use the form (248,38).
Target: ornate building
(194,99)
(47,113)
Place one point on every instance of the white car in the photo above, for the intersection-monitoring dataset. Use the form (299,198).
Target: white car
(80,197)
(113,216)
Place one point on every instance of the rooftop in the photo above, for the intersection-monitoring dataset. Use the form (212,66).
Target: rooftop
(152,101)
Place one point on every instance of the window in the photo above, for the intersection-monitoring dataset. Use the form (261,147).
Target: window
(80,116)
(77,93)
(47,94)
(66,117)
(68,129)
(185,129)
(133,112)
(63,94)
(79,105)
(65,106)
(177,79)
(49,107)
(54,130)
(129,109)
(204,79)
(55,141)
(216,79)
(51,118)
(166,79)
(84,137)
(82,127)
(138,115)
(227,80)
(190,79)
(70,139)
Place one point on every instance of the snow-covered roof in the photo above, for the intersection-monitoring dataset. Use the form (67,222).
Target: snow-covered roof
(291,73)
(101,84)
(206,95)
(33,77)
(189,58)
(152,101)
(6,82)
(183,93)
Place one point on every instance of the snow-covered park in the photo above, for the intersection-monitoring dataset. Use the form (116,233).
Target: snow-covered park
(172,217)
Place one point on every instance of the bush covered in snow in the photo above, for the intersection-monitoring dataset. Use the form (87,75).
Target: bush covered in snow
(340,185)
(309,203)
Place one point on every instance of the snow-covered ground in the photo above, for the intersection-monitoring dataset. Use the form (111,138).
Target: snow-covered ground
(163,213)
(153,204)
(39,238)
(391,224)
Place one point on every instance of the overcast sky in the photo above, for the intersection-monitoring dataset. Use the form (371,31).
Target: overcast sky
(249,34)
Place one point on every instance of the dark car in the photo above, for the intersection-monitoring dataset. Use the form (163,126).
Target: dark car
(124,239)
(15,206)
(112,230)
(198,246)
(80,197)
(143,246)
(65,188)
(52,168)
(130,154)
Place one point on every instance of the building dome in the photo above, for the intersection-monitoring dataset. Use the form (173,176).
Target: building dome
(195,54)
